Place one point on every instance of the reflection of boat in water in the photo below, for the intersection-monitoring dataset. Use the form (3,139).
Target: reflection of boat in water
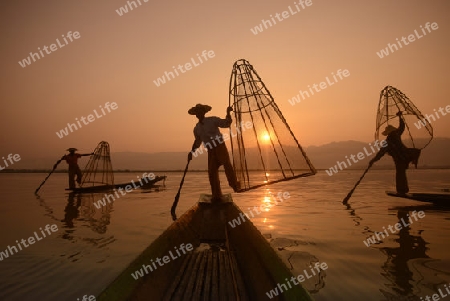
(410,272)
(397,268)
(233,263)
(144,183)
(80,210)
(80,213)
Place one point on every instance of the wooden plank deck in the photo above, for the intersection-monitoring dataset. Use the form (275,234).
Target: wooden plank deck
(229,264)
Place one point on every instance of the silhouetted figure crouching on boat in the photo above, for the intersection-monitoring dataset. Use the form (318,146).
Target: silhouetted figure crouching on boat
(400,153)
(207,131)
(74,169)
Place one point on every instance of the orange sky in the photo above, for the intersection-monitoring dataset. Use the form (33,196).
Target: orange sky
(116,58)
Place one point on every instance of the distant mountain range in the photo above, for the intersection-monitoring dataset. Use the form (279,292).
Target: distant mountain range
(436,155)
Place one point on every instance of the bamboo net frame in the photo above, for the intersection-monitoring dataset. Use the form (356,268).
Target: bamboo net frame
(268,152)
(392,101)
(98,170)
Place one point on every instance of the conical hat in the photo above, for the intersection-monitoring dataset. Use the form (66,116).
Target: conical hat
(72,149)
(389,129)
(199,108)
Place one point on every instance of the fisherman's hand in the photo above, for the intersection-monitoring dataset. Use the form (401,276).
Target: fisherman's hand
(92,154)
(190,156)
(399,113)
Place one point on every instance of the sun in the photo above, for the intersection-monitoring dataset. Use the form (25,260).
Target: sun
(265,137)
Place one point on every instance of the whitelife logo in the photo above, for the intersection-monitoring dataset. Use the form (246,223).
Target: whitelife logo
(184,248)
(187,66)
(429,118)
(281,287)
(124,9)
(10,158)
(280,17)
(90,118)
(411,38)
(319,87)
(34,55)
(376,238)
(31,240)
(360,156)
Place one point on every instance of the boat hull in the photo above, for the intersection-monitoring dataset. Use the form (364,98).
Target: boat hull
(442,199)
(146,184)
(246,265)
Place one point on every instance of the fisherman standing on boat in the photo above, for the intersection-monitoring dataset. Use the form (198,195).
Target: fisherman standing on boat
(74,169)
(399,152)
(207,131)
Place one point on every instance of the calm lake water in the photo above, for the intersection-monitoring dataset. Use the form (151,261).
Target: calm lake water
(92,246)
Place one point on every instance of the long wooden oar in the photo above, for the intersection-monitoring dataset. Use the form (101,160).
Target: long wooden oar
(177,197)
(357,183)
(54,167)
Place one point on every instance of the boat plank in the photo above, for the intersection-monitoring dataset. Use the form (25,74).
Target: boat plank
(182,288)
(177,280)
(200,276)
(208,281)
(215,278)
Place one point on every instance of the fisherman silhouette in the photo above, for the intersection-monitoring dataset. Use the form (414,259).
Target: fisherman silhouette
(207,131)
(74,169)
(399,152)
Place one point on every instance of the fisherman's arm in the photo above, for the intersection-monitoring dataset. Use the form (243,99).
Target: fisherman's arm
(224,123)
(195,145)
(378,156)
(401,126)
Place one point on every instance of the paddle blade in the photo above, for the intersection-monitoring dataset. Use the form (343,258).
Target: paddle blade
(349,195)
(174,206)
(54,167)
(177,197)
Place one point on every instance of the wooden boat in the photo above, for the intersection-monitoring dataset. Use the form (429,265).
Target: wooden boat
(442,199)
(146,183)
(224,263)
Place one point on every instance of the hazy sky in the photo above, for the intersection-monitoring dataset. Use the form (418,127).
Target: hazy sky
(117,58)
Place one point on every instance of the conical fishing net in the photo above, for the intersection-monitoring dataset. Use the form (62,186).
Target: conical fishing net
(418,130)
(98,170)
(264,149)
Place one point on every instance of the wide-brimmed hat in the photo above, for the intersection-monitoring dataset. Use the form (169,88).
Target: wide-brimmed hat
(389,129)
(199,108)
(72,149)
